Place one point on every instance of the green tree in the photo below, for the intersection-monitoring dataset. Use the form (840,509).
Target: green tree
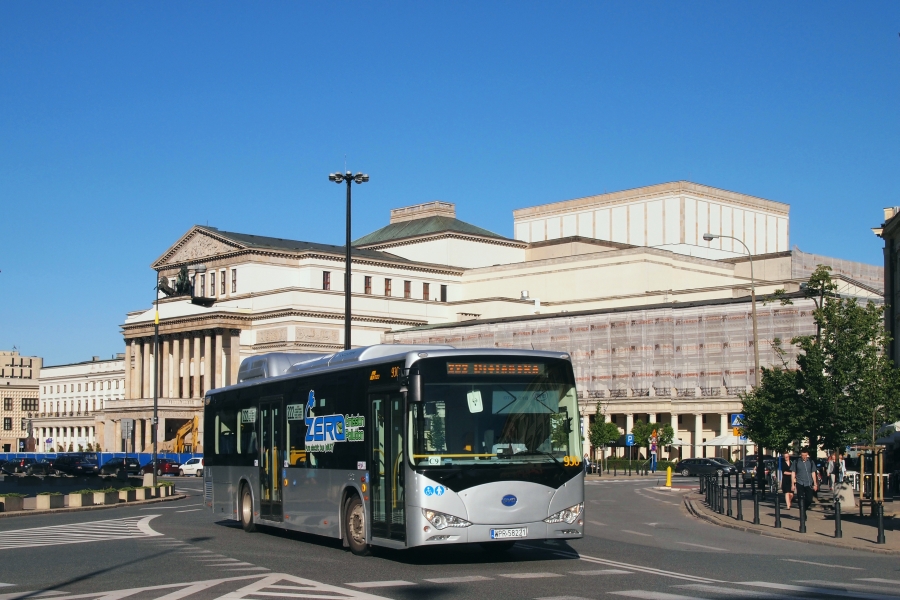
(843,376)
(601,432)
(642,432)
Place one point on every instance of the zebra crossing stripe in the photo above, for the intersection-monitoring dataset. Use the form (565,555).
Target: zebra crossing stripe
(76,533)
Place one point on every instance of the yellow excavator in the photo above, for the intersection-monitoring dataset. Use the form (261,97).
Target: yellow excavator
(192,428)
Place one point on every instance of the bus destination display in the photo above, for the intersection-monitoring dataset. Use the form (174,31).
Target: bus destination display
(495,368)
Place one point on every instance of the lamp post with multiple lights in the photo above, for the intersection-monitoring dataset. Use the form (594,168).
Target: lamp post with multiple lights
(710,237)
(349,178)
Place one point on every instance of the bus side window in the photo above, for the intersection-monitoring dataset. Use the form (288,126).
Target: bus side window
(226,428)
(296,435)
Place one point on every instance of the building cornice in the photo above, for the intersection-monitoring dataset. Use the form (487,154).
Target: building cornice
(445,235)
(648,193)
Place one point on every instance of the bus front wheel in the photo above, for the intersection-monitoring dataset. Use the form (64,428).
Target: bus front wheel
(247,510)
(355,518)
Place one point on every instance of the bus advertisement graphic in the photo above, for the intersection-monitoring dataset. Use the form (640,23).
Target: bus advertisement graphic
(322,432)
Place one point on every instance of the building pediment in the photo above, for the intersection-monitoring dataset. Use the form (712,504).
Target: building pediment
(197,244)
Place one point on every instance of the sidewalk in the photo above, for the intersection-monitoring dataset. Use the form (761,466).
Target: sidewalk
(858,533)
(28,512)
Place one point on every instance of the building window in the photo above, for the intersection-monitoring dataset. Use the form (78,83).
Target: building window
(407,289)
(117,384)
(23,425)
(7,423)
(443,293)
(203,285)
(222,279)
(94,386)
(387,287)
(212,283)
(30,404)
(234,281)
(79,387)
(367,281)
(193,285)
(326,280)
(426,291)
(7,404)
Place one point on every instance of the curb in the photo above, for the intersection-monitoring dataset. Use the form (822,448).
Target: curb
(774,533)
(53,511)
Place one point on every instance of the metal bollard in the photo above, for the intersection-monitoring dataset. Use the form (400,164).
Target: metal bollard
(837,519)
(721,499)
(755,508)
(777,510)
(728,493)
(880,508)
(802,515)
(740,505)
(615,470)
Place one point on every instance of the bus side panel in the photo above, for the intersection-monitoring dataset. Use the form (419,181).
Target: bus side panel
(226,487)
(312,500)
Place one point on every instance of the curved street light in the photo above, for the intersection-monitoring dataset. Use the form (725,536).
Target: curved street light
(349,178)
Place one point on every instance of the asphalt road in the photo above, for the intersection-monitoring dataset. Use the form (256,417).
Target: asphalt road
(640,543)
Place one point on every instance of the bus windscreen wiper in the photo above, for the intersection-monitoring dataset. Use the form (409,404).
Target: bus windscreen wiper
(538,453)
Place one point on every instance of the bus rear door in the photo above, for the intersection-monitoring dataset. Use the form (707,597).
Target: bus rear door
(271,434)
(388,501)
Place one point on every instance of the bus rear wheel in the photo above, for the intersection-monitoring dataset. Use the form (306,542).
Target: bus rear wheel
(247,510)
(355,519)
(497,547)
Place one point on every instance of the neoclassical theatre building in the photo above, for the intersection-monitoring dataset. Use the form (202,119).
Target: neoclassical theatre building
(657,320)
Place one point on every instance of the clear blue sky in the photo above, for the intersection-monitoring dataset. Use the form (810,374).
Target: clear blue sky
(124,123)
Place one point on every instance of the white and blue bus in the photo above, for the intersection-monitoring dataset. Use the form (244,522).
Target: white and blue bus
(400,446)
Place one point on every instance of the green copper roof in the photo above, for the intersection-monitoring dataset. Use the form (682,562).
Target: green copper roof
(419,227)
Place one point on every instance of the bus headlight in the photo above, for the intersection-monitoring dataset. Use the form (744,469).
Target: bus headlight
(441,520)
(567,514)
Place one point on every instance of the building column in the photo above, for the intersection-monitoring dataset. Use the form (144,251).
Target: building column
(651,417)
(161,430)
(698,435)
(723,424)
(127,368)
(147,375)
(235,356)
(186,365)
(136,367)
(219,380)
(117,443)
(138,439)
(148,434)
(176,367)
(208,382)
(195,393)
(673,420)
(164,367)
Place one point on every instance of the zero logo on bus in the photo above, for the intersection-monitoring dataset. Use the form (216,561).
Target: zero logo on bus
(328,428)
(509,500)
(322,432)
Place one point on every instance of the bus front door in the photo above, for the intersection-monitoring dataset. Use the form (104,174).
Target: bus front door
(388,501)
(270,507)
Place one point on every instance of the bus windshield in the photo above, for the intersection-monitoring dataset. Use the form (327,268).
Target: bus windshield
(487,413)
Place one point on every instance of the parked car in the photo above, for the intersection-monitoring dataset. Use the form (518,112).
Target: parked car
(704,466)
(164,466)
(749,471)
(39,467)
(131,465)
(74,464)
(193,466)
(16,465)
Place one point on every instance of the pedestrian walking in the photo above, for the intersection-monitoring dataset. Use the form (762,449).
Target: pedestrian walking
(806,478)
(831,469)
(654,439)
(840,469)
(787,478)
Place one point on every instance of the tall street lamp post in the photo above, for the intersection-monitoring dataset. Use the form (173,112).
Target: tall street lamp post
(349,178)
(710,237)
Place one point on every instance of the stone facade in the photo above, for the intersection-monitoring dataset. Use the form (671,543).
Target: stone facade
(19,397)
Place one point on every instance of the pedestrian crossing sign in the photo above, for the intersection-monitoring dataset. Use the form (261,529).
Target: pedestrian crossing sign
(737,420)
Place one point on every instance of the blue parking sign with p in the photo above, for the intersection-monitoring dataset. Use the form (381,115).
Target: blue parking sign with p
(629,439)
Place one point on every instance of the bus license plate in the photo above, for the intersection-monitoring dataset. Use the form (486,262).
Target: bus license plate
(499,534)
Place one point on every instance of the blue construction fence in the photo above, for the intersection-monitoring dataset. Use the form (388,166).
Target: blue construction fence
(103,457)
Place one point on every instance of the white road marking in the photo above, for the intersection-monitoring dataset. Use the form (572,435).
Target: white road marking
(631,567)
(75,533)
(879,580)
(636,533)
(460,579)
(171,507)
(718,590)
(818,564)
(840,585)
(597,523)
(236,563)
(646,595)
(303,588)
(189,510)
(378,584)
(702,546)
(562,598)
(530,575)
(816,590)
(249,569)
(602,572)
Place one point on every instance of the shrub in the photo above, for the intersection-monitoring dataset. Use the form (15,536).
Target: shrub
(50,494)
(13,495)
